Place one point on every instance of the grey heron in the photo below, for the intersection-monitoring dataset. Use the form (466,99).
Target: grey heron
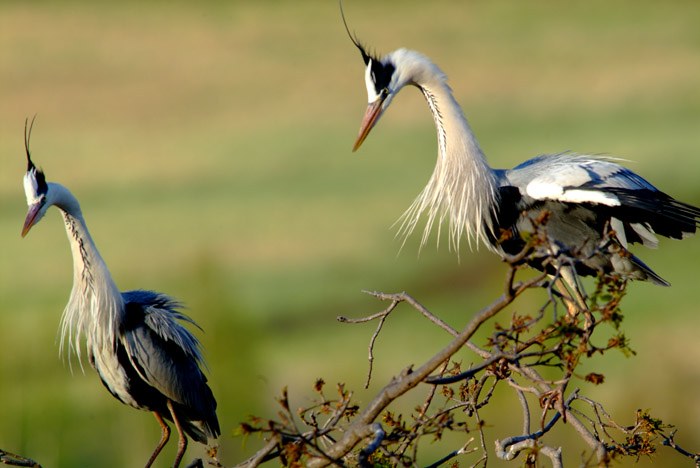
(590,200)
(144,356)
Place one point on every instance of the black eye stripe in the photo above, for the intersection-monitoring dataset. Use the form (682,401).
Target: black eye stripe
(41,182)
(381,74)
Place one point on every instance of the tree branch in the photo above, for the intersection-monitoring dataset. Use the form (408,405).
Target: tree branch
(360,426)
(7,458)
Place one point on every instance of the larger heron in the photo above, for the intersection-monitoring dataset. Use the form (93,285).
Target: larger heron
(134,339)
(590,200)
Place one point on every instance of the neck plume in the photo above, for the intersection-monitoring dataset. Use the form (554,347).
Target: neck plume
(95,305)
(462,188)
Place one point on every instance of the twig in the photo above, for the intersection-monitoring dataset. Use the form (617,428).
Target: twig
(196,463)
(526,408)
(403,297)
(371,348)
(424,409)
(359,427)
(482,439)
(261,454)
(508,448)
(590,439)
(365,453)
(669,442)
(554,454)
(437,380)
(8,458)
(450,456)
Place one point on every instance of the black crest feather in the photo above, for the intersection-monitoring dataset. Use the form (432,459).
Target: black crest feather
(40,178)
(381,73)
(353,37)
(27,135)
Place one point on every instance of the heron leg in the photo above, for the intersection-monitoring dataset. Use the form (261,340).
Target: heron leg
(571,304)
(182,438)
(164,436)
(573,298)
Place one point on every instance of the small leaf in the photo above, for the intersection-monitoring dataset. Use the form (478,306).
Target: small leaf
(595,379)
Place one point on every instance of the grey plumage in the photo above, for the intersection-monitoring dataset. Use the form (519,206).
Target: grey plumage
(587,196)
(134,340)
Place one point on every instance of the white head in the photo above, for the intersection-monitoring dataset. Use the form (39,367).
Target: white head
(385,77)
(35,188)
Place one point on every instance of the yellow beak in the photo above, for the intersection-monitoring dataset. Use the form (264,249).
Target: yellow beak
(370,118)
(31,218)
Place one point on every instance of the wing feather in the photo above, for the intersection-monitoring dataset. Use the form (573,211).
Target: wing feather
(163,352)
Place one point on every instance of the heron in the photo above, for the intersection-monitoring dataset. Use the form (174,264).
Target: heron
(595,207)
(135,340)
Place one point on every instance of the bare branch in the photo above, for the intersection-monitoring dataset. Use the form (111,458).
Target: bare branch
(371,348)
(526,408)
(450,456)
(403,297)
(668,441)
(7,458)
(508,448)
(517,352)
(358,429)
(554,455)
(260,455)
(365,453)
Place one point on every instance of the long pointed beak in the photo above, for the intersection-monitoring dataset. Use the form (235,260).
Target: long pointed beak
(370,118)
(31,218)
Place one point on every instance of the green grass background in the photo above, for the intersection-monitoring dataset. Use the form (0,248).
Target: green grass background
(209,144)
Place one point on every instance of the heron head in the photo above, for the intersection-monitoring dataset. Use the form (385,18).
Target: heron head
(381,85)
(35,188)
(385,77)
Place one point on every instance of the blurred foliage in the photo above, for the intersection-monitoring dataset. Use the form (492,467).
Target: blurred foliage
(209,144)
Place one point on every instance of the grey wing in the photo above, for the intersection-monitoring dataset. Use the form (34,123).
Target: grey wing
(575,178)
(166,355)
(637,209)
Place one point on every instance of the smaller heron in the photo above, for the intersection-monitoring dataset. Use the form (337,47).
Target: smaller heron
(134,340)
(595,207)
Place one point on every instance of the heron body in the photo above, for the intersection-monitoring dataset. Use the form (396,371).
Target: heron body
(584,196)
(144,356)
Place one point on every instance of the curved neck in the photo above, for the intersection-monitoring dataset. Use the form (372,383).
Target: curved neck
(463,186)
(456,140)
(95,306)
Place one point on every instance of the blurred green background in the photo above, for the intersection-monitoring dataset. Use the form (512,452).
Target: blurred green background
(209,144)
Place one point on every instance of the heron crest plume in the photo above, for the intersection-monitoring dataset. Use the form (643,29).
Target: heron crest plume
(34,180)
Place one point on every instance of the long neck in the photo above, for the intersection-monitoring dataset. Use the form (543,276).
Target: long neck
(95,306)
(463,186)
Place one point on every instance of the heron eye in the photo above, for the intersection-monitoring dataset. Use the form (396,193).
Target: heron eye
(381,74)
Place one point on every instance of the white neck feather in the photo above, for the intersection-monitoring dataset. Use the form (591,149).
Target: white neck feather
(463,186)
(95,306)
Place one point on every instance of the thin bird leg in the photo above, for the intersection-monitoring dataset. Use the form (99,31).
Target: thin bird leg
(571,304)
(164,436)
(569,276)
(182,440)
(574,299)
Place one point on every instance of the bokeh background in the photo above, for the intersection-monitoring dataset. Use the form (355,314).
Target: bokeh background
(210,146)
